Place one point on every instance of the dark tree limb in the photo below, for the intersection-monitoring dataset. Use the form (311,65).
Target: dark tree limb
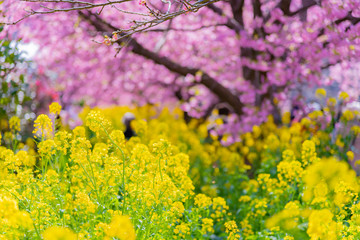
(237,10)
(214,86)
(303,11)
(230,23)
(257,8)
(284,5)
(348,17)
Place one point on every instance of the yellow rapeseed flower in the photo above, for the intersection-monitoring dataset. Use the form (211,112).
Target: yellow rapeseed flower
(43,124)
(288,238)
(232,230)
(321,225)
(79,131)
(350,155)
(343,96)
(55,108)
(245,198)
(320,93)
(355,129)
(59,233)
(256,131)
(121,228)
(331,102)
(202,201)
(348,115)
(207,225)
(308,153)
(14,123)
(97,122)
(286,118)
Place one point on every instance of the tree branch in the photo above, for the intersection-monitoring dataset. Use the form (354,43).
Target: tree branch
(184,29)
(230,23)
(237,9)
(303,11)
(257,8)
(284,5)
(153,18)
(81,6)
(215,87)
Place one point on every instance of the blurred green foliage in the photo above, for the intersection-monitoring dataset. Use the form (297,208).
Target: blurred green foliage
(15,91)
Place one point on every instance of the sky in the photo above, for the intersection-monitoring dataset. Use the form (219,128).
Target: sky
(29,50)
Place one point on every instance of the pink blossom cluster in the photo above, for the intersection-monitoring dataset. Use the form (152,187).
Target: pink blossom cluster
(289,47)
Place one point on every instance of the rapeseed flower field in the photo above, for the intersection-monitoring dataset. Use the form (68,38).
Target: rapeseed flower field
(175,180)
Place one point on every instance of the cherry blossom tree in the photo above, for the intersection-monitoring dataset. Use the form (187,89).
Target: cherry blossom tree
(242,57)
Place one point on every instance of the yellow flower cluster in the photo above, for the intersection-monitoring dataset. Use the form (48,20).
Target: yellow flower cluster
(232,230)
(13,220)
(55,108)
(174,180)
(320,93)
(207,226)
(14,123)
(321,225)
(326,185)
(121,228)
(59,233)
(43,126)
(81,186)
(308,154)
(98,123)
(202,201)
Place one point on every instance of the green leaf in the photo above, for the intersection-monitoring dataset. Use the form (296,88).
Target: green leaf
(27,98)
(4,101)
(16,99)
(4,87)
(22,79)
